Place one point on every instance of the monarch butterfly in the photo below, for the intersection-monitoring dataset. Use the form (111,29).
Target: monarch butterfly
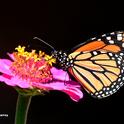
(97,64)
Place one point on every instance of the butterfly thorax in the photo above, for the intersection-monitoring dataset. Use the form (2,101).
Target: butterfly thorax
(63,59)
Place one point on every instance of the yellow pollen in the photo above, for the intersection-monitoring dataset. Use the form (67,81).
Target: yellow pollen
(33,55)
(50,59)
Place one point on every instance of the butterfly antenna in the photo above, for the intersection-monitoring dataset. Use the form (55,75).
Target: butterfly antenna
(44,43)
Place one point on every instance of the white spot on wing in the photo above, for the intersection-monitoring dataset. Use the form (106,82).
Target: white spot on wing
(110,54)
(121,54)
(96,93)
(112,86)
(119,59)
(119,79)
(111,41)
(119,62)
(93,38)
(112,33)
(122,44)
(119,37)
(107,88)
(98,96)
(110,92)
(122,78)
(100,92)
(99,39)
(117,86)
(106,93)
(108,38)
(103,95)
(103,35)
(104,88)
(121,83)
(94,52)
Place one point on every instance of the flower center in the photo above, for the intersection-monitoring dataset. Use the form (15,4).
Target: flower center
(32,66)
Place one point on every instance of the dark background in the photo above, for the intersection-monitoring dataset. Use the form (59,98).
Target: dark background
(63,24)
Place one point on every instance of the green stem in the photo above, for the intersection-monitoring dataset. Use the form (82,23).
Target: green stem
(22,107)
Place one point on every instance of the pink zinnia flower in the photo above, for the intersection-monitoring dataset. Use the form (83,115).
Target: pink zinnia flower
(28,70)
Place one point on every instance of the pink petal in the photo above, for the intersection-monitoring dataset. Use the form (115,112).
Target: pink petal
(74,93)
(6,81)
(59,74)
(14,81)
(7,76)
(5,65)
(72,90)
(10,55)
(19,82)
(70,83)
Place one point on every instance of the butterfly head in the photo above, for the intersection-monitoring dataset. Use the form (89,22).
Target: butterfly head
(63,59)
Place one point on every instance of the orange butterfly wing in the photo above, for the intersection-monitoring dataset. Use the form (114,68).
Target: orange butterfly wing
(97,64)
